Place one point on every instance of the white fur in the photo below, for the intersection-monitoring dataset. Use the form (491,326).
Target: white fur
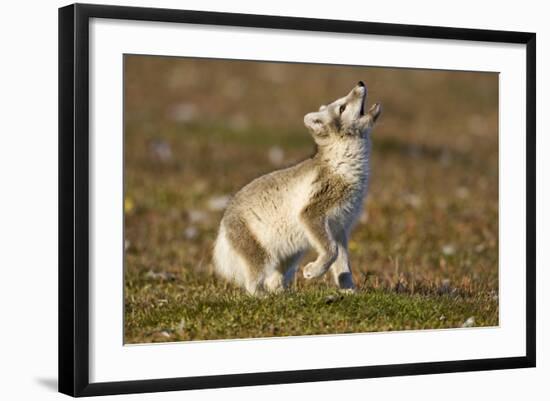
(274,216)
(227,262)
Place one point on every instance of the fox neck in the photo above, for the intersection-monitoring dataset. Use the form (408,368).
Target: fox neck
(348,158)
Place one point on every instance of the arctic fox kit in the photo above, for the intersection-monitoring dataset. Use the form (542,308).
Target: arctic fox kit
(272,221)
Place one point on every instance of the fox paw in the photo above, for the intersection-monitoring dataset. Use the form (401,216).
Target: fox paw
(313,270)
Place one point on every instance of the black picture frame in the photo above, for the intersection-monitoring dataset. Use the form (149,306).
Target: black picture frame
(74,198)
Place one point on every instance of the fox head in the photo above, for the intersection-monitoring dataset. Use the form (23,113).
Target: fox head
(345,117)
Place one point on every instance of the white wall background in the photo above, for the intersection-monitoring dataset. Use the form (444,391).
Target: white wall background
(28,199)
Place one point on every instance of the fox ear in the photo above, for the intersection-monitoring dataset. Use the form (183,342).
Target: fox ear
(313,122)
(375,111)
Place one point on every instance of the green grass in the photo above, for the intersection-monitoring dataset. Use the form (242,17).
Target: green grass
(186,309)
(424,253)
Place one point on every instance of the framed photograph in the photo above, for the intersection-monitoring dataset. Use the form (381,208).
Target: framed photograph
(251,199)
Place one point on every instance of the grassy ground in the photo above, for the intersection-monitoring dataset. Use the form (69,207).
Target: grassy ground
(424,253)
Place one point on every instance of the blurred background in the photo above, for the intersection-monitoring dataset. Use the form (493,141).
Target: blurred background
(197,130)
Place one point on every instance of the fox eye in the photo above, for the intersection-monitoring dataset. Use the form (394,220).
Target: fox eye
(342,108)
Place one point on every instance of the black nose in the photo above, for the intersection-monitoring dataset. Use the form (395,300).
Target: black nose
(361,83)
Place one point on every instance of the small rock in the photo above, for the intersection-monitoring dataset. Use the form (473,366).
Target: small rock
(276,155)
(480,248)
(191,232)
(160,275)
(445,287)
(218,203)
(413,200)
(199,186)
(445,158)
(197,216)
(126,244)
(401,286)
(470,322)
(239,122)
(333,298)
(183,112)
(462,192)
(161,150)
(448,250)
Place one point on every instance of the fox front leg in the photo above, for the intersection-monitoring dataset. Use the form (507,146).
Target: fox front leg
(341,269)
(320,238)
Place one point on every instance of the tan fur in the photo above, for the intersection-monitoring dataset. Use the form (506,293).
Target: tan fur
(272,221)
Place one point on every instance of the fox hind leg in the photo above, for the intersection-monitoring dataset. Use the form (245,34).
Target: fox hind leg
(274,282)
(256,262)
(282,277)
